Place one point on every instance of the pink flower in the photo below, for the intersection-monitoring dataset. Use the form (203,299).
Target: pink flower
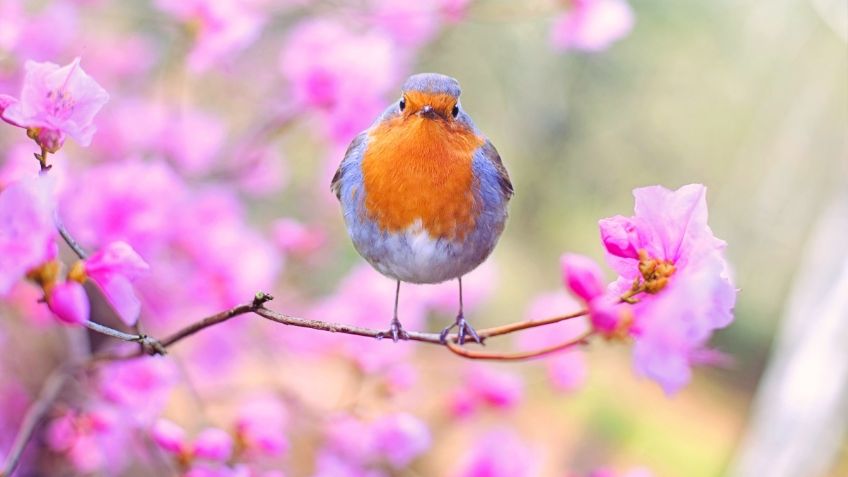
(139,387)
(170,437)
(222,28)
(92,441)
(56,101)
(400,438)
(582,276)
(498,389)
(592,25)
(213,444)
(27,231)
(499,453)
(193,140)
(410,24)
(112,268)
(69,303)
(680,267)
(297,238)
(261,424)
(342,74)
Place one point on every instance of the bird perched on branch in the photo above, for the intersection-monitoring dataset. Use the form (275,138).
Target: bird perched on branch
(423,192)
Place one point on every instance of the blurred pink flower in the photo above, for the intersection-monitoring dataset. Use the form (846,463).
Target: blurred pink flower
(27,231)
(134,201)
(341,73)
(592,25)
(222,28)
(499,453)
(139,387)
(566,370)
(193,140)
(112,268)
(410,24)
(213,444)
(609,472)
(170,437)
(669,249)
(56,101)
(60,18)
(400,438)
(296,238)
(69,302)
(498,389)
(12,19)
(454,11)
(91,441)
(261,426)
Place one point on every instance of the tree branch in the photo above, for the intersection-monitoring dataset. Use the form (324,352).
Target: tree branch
(34,416)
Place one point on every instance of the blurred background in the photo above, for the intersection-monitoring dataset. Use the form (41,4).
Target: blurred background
(213,158)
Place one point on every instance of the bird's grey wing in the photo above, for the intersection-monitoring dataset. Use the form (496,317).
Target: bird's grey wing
(491,154)
(353,155)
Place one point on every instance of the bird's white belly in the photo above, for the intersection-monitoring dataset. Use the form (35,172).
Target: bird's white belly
(414,256)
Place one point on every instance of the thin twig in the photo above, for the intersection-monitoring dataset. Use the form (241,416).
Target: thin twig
(517,356)
(34,416)
(66,236)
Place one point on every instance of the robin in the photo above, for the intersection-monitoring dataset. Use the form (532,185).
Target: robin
(423,192)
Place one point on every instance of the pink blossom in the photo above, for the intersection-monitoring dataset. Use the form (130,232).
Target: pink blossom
(294,237)
(139,387)
(350,438)
(582,276)
(340,73)
(193,140)
(27,231)
(462,403)
(69,303)
(91,441)
(499,389)
(170,437)
(400,438)
(222,28)
(680,265)
(261,426)
(410,24)
(592,25)
(112,268)
(60,18)
(56,101)
(499,453)
(609,472)
(213,444)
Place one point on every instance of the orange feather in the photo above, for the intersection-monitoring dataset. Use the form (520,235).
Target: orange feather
(417,168)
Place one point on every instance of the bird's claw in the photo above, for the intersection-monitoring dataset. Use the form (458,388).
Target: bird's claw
(463,328)
(395,330)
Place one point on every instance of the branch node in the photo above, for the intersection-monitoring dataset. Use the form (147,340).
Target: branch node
(151,346)
(260,299)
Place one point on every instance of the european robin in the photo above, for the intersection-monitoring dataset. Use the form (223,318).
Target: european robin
(423,192)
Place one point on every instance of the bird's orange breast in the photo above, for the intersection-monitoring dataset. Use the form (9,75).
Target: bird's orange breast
(417,168)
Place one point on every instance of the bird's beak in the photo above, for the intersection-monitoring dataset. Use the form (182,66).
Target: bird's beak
(428,112)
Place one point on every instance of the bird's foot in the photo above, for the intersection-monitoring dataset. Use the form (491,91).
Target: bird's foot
(396,331)
(463,329)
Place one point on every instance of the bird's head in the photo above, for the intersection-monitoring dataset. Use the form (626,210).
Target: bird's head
(431,96)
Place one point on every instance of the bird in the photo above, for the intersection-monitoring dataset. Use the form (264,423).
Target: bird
(424,193)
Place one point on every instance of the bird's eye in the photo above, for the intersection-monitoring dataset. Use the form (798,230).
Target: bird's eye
(455,111)
(402,104)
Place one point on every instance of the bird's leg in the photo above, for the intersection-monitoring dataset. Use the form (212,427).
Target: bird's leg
(463,327)
(396,330)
